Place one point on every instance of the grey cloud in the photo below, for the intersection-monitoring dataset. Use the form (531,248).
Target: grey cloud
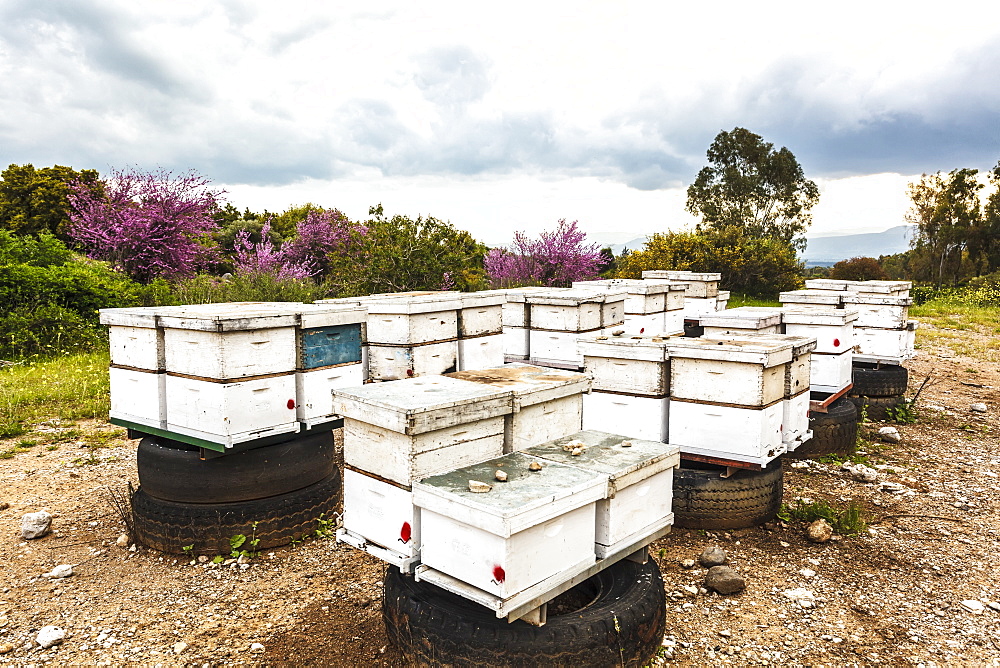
(452,77)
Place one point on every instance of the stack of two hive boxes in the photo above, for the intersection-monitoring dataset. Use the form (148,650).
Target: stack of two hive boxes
(882,331)
(223,374)
(702,293)
(719,399)
(412,334)
(821,314)
(411,449)
(651,307)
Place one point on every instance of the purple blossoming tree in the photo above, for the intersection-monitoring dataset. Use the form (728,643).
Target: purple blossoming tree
(319,235)
(256,259)
(146,224)
(555,259)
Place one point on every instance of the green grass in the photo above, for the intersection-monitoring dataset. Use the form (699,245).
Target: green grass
(948,322)
(69,388)
(737,300)
(847,520)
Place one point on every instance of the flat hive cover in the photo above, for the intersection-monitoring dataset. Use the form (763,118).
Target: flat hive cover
(524,379)
(606,453)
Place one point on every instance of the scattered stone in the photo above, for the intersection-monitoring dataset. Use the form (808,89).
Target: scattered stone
(978,408)
(256,647)
(725,633)
(577,452)
(801,464)
(122,541)
(6,649)
(889,435)
(975,607)
(479,487)
(724,580)
(687,564)
(180,647)
(242,559)
(713,556)
(893,487)
(862,473)
(819,531)
(35,525)
(50,636)
(574,445)
(202,559)
(804,598)
(60,571)
(994,606)
(618,332)
(534,466)
(4,505)
(626,444)
(807,573)
(500,475)
(691,590)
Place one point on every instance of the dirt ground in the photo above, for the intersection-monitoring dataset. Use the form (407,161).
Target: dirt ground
(891,595)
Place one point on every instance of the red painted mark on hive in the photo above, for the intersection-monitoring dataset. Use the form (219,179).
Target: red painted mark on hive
(836,343)
(291,404)
(498,574)
(405,532)
(409,372)
(642,329)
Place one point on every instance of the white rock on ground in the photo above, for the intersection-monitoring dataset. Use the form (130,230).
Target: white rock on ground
(978,408)
(890,435)
(60,571)
(975,607)
(802,597)
(35,525)
(50,636)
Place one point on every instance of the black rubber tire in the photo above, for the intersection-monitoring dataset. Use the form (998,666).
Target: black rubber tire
(834,432)
(169,526)
(705,500)
(877,408)
(172,474)
(874,380)
(432,627)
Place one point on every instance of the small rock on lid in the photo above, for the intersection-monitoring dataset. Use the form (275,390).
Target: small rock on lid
(479,487)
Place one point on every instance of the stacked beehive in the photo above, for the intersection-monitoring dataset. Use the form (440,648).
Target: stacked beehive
(727,397)
(651,307)
(743,320)
(559,317)
(833,330)
(631,384)
(223,374)
(702,295)
(396,433)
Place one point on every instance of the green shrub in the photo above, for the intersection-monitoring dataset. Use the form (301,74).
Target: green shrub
(49,329)
(204,289)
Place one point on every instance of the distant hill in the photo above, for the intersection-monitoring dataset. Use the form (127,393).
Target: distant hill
(636,244)
(823,250)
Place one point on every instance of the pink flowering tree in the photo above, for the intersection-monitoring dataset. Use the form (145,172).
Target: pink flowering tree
(321,234)
(264,258)
(555,259)
(146,224)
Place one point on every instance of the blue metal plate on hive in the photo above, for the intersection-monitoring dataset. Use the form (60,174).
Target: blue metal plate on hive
(325,346)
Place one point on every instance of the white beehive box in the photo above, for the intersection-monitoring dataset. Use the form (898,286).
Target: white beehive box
(736,372)
(696,307)
(651,324)
(879,310)
(523,531)
(406,430)
(643,417)
(516,343)
(514,308)
(812,299)
(313,391)
(833,329)
(401,362)
(639,498)
(795,420)
(575,309)
(742,320)
(545,403)
(884,288)
(481,314)
(629,365)
(481,352)
(413,319)
(722,301)
(641,298)
(381,513)
(885,345)
(830,373)
(831,284)
(231,412)
(752,435)
(560,349)
(138,396)
(700,284)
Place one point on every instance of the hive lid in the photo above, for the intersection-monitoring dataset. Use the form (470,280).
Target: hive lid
(823,297)
(884,287)
(800,344)
(873,299)
(629,285)
(819,316)
(645,348)
(767,353)
(574,297)
(481,299)
(411,303)
(830,284)
(517,294)
(136,316)
(754,317)
(527,497)
(528,384)
(699,277)
(422,404)
(329,315)
(232,316)
(607,453)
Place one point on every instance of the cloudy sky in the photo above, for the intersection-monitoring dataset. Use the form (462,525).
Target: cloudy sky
(503,116)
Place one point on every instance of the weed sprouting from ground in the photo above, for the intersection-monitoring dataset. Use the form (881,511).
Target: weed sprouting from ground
(846,520)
